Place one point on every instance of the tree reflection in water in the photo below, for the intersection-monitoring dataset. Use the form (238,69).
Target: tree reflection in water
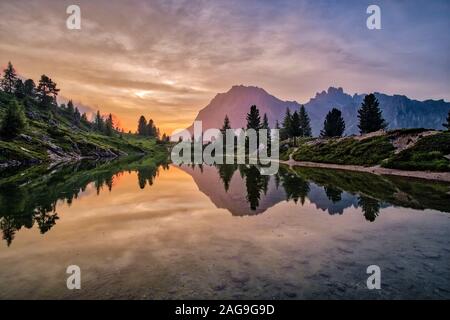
(30,197)
(15,213)
(341,188)
(370,207)
(255,183)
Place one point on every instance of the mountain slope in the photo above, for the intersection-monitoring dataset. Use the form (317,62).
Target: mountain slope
(51,137)
(236,103)
(399,111)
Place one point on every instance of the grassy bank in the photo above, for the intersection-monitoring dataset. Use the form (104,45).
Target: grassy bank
(430,153)
(410,149)
(51,136)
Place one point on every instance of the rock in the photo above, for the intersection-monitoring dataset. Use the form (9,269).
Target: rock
(98,153)
(32,115)
(54,148)
(75,147)
(10,164)
(26,138)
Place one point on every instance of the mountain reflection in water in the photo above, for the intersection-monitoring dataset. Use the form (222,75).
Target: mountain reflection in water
(31,198)
(244,191)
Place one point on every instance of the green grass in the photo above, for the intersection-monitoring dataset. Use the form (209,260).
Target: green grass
(348,151)
(51,131)
(285,151)
(427,154)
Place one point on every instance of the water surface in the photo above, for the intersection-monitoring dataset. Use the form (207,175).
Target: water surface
(143,230)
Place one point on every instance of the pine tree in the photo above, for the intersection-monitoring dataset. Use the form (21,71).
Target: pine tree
(14,120)
(286,126)
(30,88)
(296,130)
(447,125)
(142,126)
(47,91)
(370,115)
(9,78)
(76,117)
(84,119)
(109,125)
(99,122)
(151,129)
(226,125)
(265,125)
(305,123)
(19,89)
(334,125)
(277,125)
(253,119)
(70,108)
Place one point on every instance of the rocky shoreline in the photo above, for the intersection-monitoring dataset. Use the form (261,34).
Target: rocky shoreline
(57,156)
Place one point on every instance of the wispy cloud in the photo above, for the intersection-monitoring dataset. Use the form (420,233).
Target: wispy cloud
(167,59)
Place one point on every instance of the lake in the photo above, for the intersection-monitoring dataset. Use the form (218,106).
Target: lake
(144,230)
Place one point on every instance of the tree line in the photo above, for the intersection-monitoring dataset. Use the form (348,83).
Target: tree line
(294,125)
(44,96)
(297,124)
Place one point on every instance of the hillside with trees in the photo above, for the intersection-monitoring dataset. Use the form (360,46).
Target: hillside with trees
(34,128)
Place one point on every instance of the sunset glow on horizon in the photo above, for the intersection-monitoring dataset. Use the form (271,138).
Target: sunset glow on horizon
(167,59)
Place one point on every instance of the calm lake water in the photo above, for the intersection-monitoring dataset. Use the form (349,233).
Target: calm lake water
(141,230)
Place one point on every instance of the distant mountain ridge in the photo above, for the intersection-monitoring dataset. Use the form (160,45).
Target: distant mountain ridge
(398,110)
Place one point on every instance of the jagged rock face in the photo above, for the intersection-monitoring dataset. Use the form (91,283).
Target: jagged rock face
(236,104)
(399,111)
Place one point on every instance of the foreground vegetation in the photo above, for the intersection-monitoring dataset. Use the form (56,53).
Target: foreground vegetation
(411,149)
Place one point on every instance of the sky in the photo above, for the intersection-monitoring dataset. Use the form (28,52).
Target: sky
(166,59)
